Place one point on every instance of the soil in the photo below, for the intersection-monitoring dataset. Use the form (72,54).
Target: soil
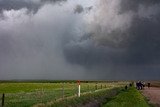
(153,95)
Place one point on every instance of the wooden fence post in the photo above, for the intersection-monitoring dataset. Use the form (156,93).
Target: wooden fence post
(88,87)
(96,86)
(62,90)
(76,90)
(3,100)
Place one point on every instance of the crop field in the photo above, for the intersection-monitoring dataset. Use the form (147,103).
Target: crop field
(22,94)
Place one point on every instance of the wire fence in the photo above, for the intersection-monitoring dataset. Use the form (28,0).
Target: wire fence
(44,95)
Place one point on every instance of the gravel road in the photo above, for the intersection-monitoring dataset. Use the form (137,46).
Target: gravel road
(153,95)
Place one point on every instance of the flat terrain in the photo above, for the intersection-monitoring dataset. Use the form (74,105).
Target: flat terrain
(28,94)
(64,94)
(153,95)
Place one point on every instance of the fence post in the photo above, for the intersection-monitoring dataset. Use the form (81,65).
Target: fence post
(62,90)
(96,86)
(101,86)
(88,87)
(79,88)
(76,90)
(3,100)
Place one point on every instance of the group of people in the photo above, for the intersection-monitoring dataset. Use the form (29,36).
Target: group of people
(140,85)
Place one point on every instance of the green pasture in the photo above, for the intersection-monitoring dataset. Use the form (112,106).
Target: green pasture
(28,94)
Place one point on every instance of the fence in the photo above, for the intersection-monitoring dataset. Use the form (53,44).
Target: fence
(56,91)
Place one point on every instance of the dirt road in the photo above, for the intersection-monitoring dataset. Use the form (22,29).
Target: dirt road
(153,95)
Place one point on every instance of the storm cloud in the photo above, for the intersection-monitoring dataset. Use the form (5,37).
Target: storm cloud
(107,39)
(78,9)
(31,5)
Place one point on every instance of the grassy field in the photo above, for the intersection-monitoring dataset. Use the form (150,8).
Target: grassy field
(19,94)
(127,98)
(96,98)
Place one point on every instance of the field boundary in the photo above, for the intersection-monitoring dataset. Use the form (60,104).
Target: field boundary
(69,97)
(31,94)
(107,93)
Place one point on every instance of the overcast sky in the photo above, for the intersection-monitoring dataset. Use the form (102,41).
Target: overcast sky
(80,39)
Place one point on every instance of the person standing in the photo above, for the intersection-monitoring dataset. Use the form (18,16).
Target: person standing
(149,84)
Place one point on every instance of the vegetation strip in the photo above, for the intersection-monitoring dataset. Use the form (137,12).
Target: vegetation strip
(98,97)
(127,98)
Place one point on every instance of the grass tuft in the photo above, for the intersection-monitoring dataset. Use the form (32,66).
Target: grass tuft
(127,98)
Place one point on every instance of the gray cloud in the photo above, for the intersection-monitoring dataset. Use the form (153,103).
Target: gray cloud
(31,44)
(122,35)
(51,1)
(18,4)
(127,5)
(110,40)
(78,9)
(31,5)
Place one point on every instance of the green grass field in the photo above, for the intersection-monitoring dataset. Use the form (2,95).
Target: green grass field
(127,98)
(28,94)
(88,98)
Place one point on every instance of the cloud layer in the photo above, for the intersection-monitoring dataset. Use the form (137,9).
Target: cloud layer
(96,39)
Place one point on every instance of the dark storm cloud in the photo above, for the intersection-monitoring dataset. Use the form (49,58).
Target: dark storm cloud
(138,44)
(18,4)
(32,5)
(109,39)
(145,43)
(144,31)
(85,52)
(133,5)
(78,9)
